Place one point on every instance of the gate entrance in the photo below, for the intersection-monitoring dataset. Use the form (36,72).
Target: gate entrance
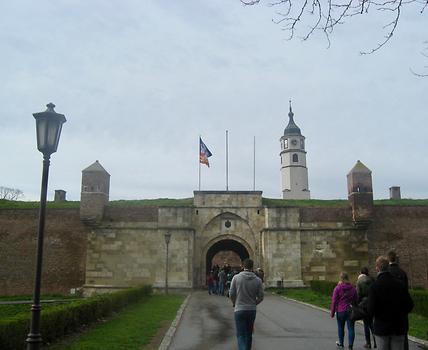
(228,248)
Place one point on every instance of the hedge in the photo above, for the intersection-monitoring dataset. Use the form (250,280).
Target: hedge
(420,297)
(67,318)
(323,287)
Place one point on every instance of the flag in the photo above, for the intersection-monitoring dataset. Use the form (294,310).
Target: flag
(204,153)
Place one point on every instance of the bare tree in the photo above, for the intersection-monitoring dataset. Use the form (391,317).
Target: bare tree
(419,73)
(324,16)
(11,194)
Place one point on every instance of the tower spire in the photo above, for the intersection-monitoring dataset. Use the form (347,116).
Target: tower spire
(291,115)
(291,128)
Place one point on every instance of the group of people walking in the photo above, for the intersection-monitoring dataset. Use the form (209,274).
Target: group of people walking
(219,279)
(385,302)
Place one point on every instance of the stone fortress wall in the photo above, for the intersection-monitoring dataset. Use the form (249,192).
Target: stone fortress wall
(104,247)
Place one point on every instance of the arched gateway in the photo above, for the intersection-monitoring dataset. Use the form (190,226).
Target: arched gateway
(224,228)
(226,244)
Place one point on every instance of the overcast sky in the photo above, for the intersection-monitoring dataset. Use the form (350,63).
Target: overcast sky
(139,81)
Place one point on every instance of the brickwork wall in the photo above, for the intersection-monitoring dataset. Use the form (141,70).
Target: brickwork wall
(326,214)
(227,257)
(141,214)
(404,229)
(64,251)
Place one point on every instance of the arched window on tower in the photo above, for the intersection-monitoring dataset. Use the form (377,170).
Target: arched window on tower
(295,158)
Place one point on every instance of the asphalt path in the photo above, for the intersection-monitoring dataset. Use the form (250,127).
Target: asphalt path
(207,323)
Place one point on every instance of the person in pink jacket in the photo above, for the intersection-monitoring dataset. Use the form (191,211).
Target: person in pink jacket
(344,295)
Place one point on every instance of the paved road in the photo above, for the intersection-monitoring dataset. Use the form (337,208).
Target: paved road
(207,323)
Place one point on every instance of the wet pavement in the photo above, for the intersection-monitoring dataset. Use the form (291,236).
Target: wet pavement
(207,323)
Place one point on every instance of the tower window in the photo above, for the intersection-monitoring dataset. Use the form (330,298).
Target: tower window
(295,158)
(302,144)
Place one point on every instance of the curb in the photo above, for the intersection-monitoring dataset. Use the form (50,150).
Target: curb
(413,339)
(166,341)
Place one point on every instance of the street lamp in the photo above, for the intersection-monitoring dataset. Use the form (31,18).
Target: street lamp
(167,240)
(48,128)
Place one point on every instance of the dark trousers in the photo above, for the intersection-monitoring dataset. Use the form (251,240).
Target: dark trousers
(368,330)
(244,321)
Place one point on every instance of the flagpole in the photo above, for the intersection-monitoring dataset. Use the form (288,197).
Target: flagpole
(227,160)
(254,164)
(199,161)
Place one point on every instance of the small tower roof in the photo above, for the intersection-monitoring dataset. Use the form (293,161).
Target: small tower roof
(359,167)
(292,128)
(95,167)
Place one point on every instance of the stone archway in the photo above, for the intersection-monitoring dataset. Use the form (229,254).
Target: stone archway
(223,242)
(224,245)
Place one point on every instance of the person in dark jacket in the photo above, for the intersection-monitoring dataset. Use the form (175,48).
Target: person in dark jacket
(389,303)
(395,269)
(363,285)
(344,295)
(400,275)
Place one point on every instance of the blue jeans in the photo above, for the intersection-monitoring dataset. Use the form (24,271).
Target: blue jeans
(244,321)
(221,288)
(342,318)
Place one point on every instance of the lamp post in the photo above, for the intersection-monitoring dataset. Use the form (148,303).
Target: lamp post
(48,128)
(167,240)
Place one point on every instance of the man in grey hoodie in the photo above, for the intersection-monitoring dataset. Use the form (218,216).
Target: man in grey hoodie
(246,291)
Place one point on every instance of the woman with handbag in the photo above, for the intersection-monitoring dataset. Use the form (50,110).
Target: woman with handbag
(344,295)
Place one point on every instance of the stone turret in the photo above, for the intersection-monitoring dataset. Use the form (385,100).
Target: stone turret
(95,192)
(360,193)
(60,196)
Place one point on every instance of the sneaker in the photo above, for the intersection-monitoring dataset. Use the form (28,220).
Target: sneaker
(367,346)
(340,346)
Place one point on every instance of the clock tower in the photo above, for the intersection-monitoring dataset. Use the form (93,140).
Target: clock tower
(294,173)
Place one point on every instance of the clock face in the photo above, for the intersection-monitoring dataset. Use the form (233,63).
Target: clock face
(294,142)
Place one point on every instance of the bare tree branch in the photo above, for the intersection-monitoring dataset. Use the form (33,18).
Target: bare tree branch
(325,15)
(11,194)
(418,74)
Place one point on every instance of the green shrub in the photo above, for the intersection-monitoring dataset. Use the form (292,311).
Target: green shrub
(420,298)
(67,318)
(323,287)
(13,332)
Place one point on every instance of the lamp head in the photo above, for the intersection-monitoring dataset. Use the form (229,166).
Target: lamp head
(167,237)
(48,129)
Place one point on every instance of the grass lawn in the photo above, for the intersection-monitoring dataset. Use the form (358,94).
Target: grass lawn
(418,324)
(337,203)
(168,202)
(133,328)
